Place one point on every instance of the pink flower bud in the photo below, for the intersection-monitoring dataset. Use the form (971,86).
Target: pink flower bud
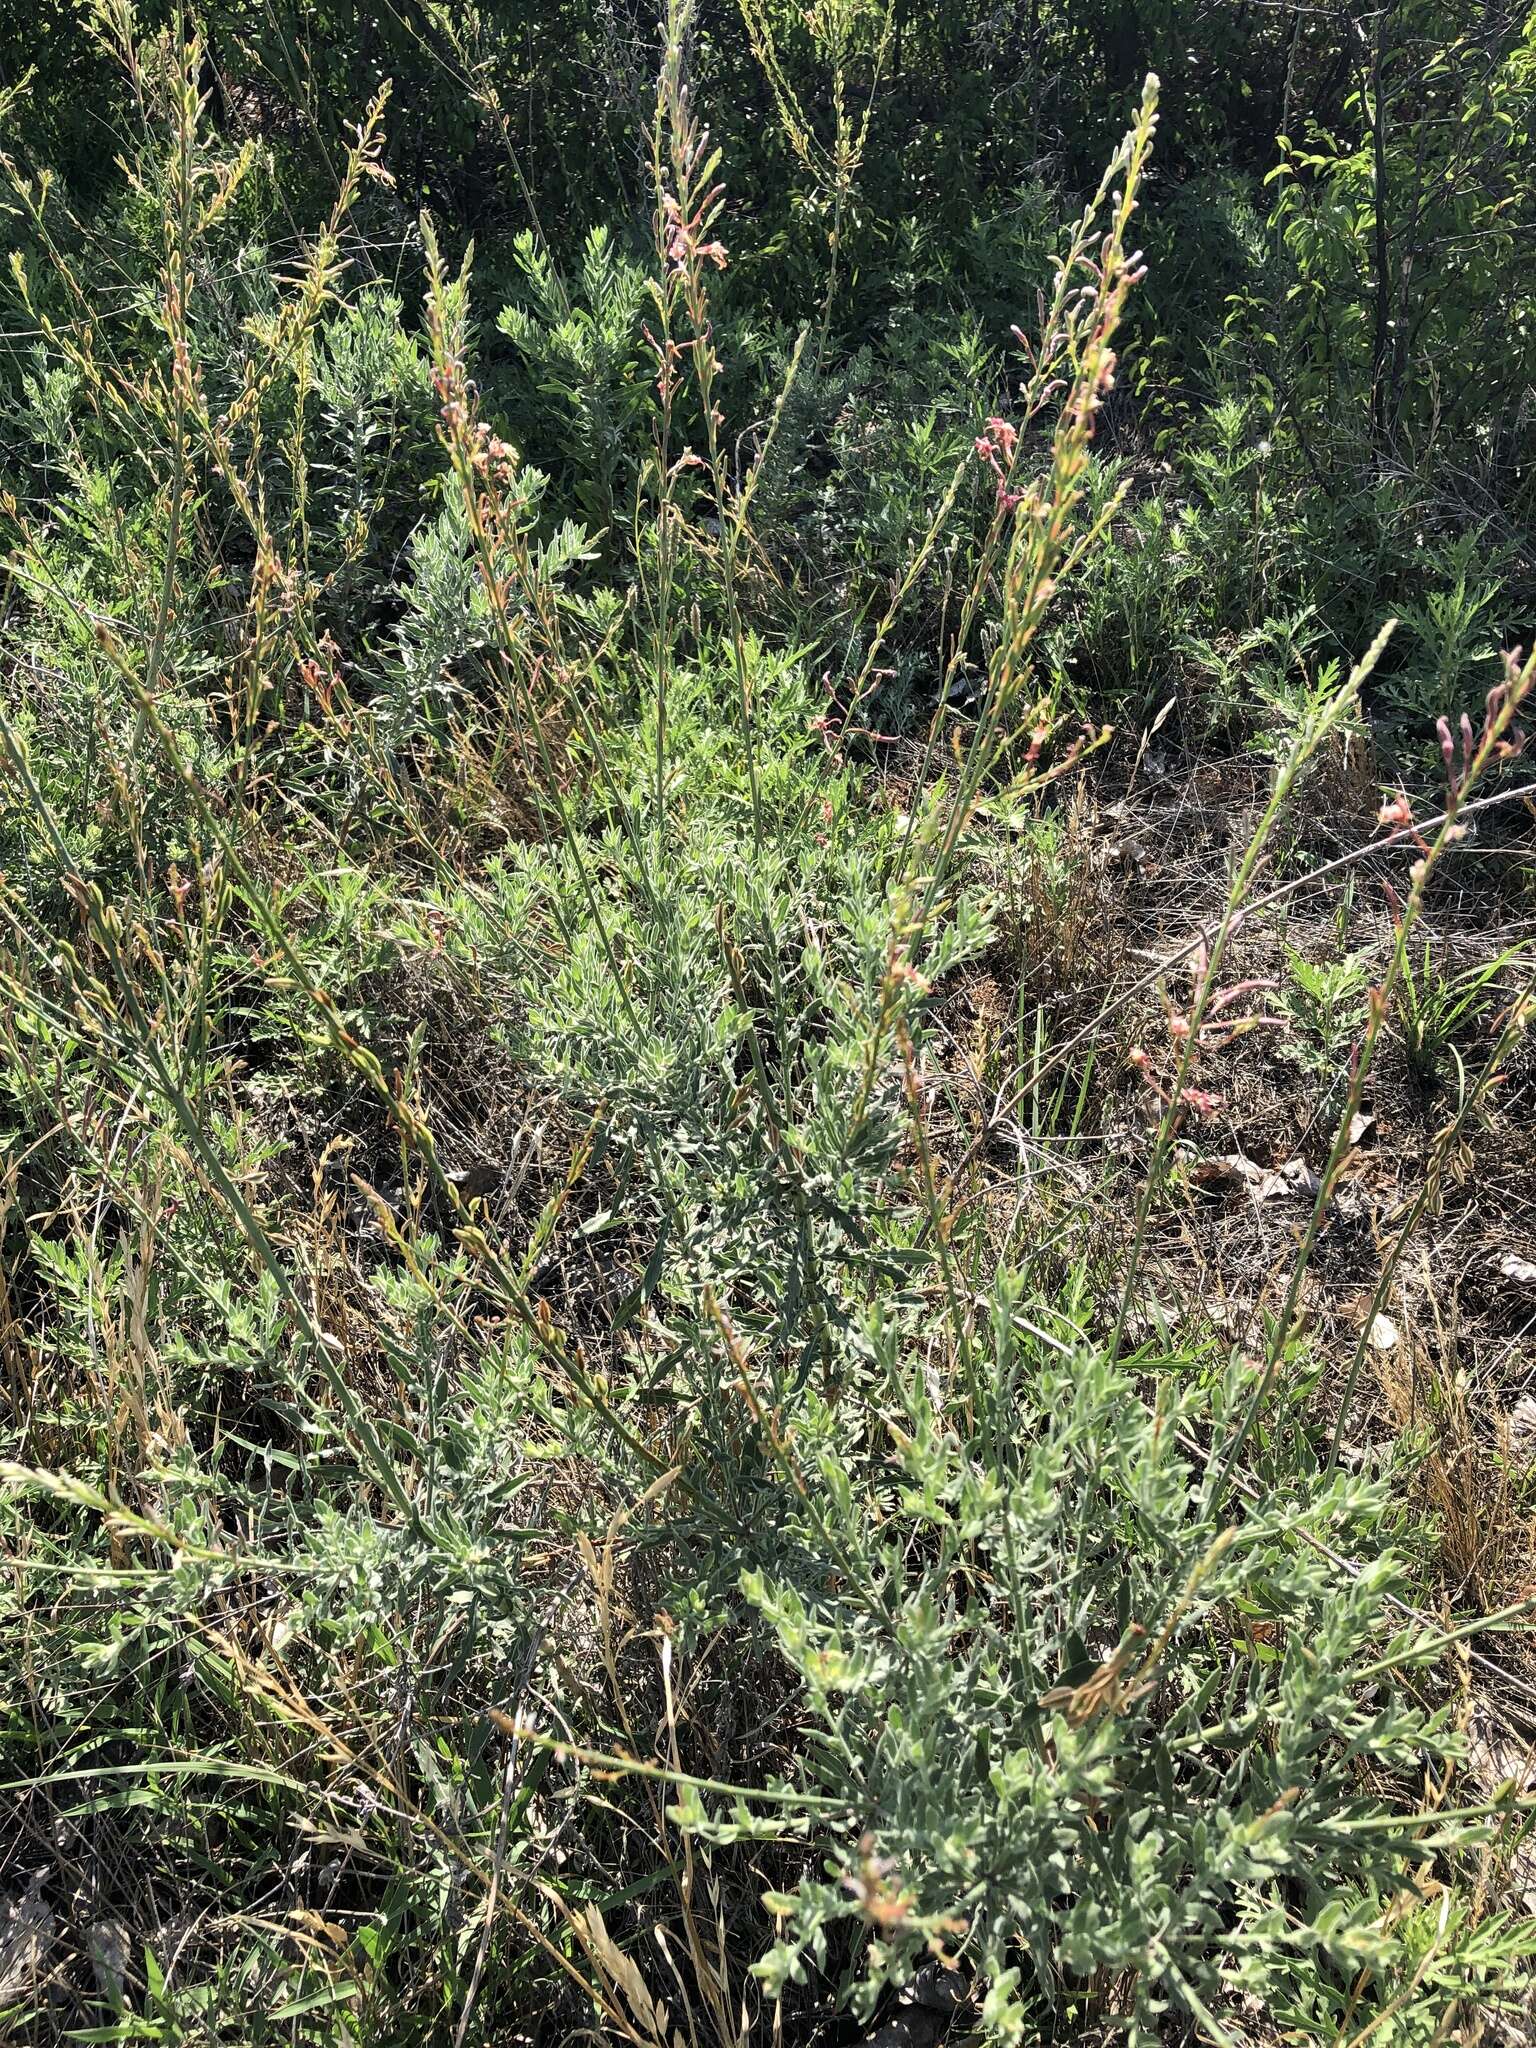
(1398,812)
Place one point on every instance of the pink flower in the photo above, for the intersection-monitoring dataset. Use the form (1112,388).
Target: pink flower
(1006,436)
(902,974)
(1201,1101)
(682,236)
(996,448)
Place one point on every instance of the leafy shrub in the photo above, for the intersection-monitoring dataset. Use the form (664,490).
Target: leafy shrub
(541,1389)
(583,355)
(1075,1716)
(1325,1000)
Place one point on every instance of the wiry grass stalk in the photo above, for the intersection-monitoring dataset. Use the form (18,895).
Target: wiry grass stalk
(1325,719)
(833,167)
(1504,707)
(1033,541)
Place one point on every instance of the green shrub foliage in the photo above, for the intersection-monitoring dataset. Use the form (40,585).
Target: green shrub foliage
(578,1461)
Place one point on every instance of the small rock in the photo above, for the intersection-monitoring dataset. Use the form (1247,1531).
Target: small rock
(914,2028)
(938,1989)
(1233,1171)
(28,1936)
(107,1944)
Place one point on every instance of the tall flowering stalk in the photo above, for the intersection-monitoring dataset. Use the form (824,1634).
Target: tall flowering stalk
(689,200)
(545,684)
(1034,538)
(1032,541)
(834,166)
